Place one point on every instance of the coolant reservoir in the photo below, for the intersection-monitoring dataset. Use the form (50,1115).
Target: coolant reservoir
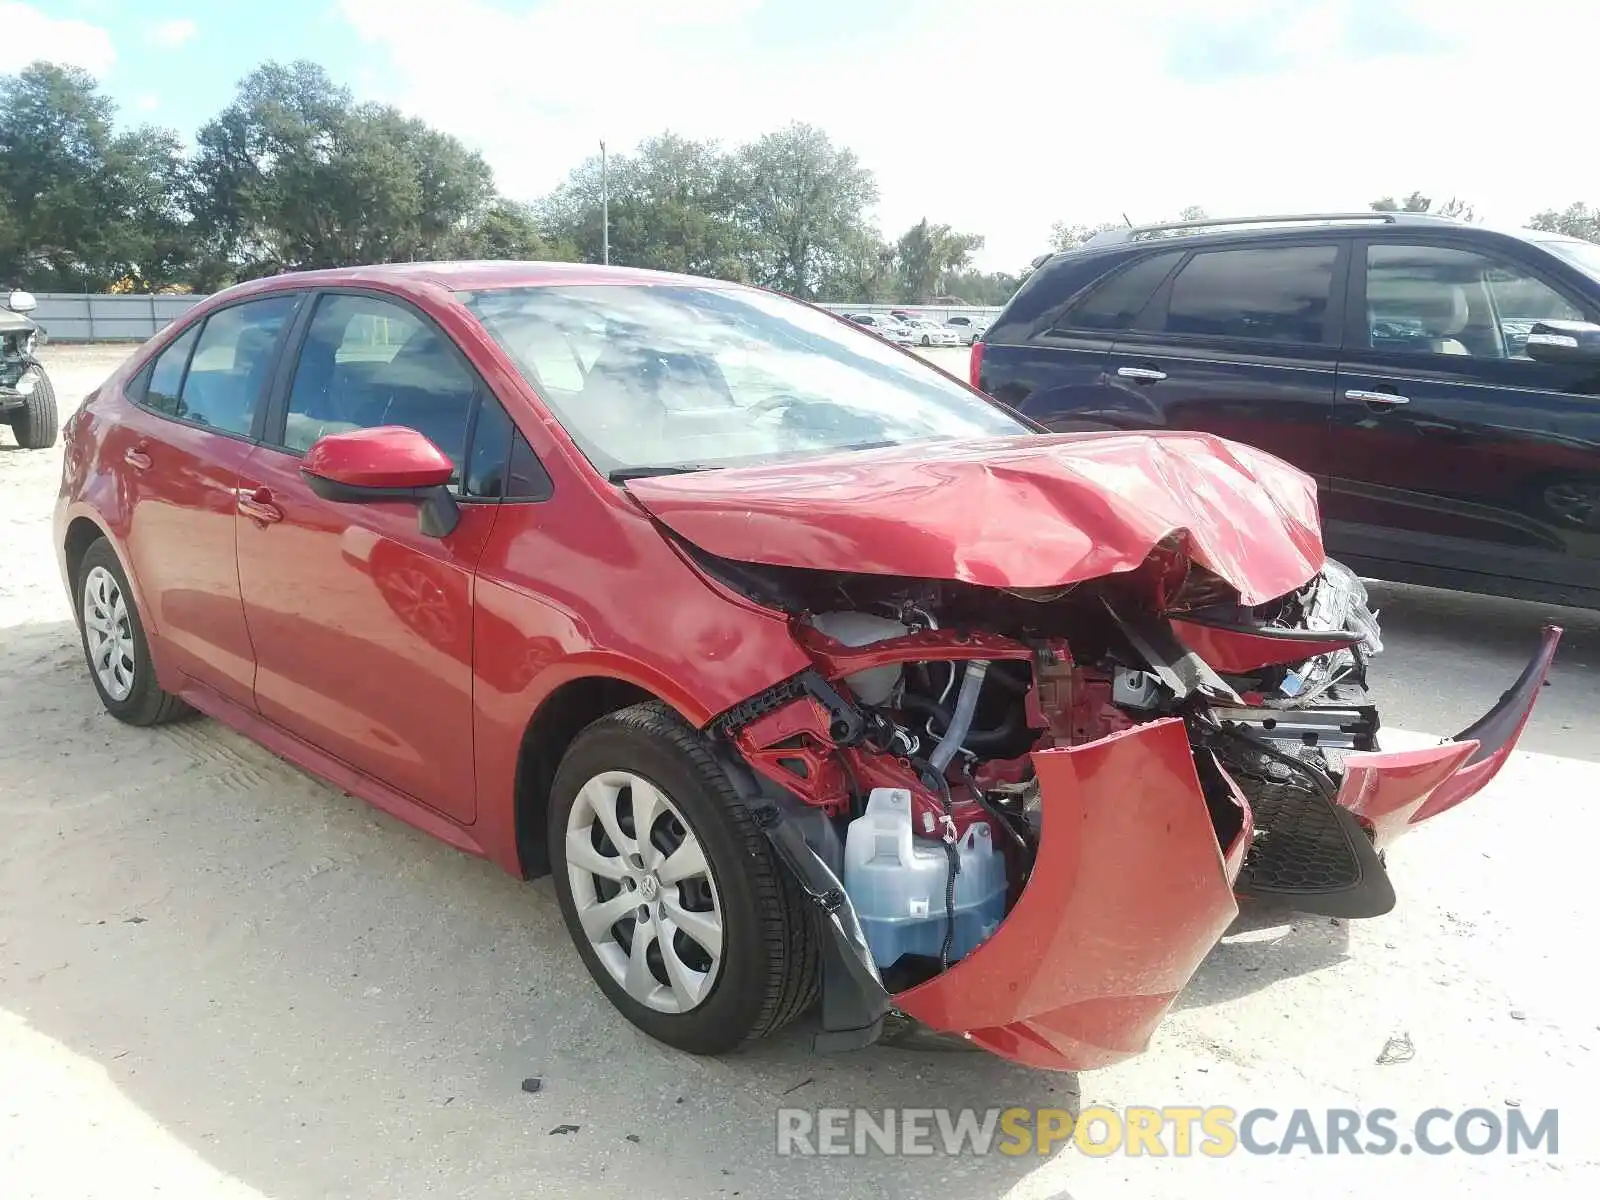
(897,881)
(873,686)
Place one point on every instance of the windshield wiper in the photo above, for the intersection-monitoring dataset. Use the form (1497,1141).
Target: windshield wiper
(623,474)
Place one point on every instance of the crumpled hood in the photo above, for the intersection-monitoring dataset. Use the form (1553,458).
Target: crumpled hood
(1034,511)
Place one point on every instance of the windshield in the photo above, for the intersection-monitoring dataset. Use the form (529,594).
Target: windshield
(645,376)
(1583,255)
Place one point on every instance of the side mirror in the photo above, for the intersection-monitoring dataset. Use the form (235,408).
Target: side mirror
(22,302)
(391,463)
(1573,342)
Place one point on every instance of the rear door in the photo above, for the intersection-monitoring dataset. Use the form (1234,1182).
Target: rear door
(1046,356)
(1241,341)
(178,449)
(1452,450)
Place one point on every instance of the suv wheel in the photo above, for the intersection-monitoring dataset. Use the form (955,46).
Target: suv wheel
(35,423)
(672,895)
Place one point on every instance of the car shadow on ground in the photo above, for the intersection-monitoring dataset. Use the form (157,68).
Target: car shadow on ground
(317,1000)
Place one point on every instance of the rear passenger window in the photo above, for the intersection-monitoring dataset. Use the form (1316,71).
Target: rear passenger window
(1117,302)
(166,376)
(1273,294)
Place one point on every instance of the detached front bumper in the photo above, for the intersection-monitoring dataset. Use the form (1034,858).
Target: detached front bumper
(1391,791)
(1129,892)
(1131,887)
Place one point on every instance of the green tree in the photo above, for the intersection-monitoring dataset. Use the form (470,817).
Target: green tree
(1576,220)
(803,203)
(85,208)
(672,209)
(1416,202)
(294,175)
(928,255)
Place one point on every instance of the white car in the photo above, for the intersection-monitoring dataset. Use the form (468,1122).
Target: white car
(929,333)
(890,328)
(967,329)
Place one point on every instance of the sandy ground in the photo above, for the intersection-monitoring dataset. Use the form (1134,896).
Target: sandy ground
(219,977)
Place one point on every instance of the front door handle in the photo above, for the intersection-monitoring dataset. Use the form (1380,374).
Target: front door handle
(256,503)
(1367,397)
(137,459)
(1142,374)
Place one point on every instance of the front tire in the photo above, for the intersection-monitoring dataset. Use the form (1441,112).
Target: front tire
(689,925)
(36,423)
(114,643)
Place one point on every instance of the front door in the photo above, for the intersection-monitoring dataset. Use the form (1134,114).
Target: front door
(1452,449)
(362,624)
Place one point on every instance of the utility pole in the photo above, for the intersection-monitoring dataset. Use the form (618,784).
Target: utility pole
(605,210)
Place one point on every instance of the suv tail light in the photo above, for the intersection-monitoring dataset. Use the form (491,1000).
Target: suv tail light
(975,365)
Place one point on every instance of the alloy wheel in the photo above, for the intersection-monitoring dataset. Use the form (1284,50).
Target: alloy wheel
(644,892)
(109,632)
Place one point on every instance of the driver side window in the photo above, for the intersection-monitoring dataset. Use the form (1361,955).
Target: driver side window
(368,362)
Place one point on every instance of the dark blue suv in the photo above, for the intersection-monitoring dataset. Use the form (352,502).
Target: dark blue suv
(1441,381)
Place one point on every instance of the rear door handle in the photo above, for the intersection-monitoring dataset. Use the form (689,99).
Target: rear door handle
(256,503)
(137,459)
(1142,374)
(1366,397)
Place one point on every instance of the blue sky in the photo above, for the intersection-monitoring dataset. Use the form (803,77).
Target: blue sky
(999,116)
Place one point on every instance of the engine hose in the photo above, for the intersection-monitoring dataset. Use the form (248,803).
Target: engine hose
(976,739)
(961,721)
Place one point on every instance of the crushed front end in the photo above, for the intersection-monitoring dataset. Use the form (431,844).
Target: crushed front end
(1026,815)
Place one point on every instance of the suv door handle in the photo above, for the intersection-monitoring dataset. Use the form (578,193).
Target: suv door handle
(137,459)
(256,503)
(1142,374)
(1366,397)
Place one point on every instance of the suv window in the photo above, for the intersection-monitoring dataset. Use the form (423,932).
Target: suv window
(1115,303)
(368,362)
(1441,300)
(1273,293)
(220,384)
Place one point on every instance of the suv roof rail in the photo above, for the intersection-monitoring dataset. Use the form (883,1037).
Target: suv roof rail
(1112,237)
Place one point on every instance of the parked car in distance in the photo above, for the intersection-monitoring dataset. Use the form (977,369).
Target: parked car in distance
(968,329)
(810,673)
(27,399)
(1439,380)
(931,333)
(889,327)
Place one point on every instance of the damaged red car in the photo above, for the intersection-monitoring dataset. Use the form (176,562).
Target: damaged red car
(814,677)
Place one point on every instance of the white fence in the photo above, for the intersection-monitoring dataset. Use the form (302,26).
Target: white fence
(77,318)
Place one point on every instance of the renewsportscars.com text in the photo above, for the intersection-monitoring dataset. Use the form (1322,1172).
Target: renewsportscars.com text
(1172,1130)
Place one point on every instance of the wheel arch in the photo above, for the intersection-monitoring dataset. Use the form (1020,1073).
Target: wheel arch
(560,717)
(82,532)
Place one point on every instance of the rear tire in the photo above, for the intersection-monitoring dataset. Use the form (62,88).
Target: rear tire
(764,966)
(36,423)
(114,643)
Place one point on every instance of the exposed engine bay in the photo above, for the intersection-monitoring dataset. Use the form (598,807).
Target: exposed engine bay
(914,745)
(943,690)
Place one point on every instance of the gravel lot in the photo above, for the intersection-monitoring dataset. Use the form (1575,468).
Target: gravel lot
(221,978)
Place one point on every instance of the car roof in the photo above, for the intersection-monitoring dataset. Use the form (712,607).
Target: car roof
(484,275)
(1275,228)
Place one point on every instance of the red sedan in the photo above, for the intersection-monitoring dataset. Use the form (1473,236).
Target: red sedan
(808,671)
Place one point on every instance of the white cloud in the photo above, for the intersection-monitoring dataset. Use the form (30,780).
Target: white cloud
(31,35)
(174,33)
(1034,112)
